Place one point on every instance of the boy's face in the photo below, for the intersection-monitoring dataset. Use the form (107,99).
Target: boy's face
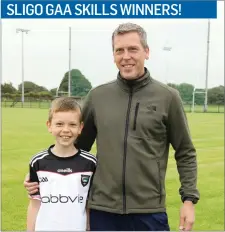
(65,127)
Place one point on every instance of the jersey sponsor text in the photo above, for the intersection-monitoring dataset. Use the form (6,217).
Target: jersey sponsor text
(62,199)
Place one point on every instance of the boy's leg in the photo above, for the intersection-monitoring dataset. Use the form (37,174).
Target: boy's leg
(100,220)
(150,222)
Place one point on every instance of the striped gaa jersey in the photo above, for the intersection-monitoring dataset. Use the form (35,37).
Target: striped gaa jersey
(64,184)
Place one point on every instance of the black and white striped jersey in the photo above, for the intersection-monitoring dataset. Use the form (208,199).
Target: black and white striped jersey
(64,185)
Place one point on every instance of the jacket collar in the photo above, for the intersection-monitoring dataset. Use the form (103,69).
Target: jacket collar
(136,84)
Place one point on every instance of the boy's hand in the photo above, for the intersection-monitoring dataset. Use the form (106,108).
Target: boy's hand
(31,187)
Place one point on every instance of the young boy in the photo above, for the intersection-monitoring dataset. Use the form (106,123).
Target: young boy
(64,174)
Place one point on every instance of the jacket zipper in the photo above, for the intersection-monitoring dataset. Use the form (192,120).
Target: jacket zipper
(135,115)
(160,186)
(125,149)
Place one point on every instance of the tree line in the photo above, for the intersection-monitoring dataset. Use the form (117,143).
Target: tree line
(80,86)
(215,94)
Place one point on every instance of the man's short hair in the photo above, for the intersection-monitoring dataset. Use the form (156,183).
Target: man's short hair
(131,27)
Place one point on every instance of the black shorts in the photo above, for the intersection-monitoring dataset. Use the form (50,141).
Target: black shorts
(104,221)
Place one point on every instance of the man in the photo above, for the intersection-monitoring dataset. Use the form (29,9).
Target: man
(134,119)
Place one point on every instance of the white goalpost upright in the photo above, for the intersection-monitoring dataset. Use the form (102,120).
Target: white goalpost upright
(193,98)
(205,106)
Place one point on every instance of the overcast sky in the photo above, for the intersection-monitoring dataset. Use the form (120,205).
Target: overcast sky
(46,50)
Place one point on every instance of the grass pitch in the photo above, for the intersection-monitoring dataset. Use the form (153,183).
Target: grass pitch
(24,133)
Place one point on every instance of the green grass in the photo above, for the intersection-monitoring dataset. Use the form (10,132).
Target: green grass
(24,133)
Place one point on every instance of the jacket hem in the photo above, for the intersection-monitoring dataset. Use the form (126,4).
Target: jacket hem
(128,211)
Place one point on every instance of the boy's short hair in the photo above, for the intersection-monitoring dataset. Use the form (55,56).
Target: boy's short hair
(64,104)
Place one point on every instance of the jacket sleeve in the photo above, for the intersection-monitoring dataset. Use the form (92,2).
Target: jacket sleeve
(89,132)
(185,153)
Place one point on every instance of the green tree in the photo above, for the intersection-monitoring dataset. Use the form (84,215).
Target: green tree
(199,97)
(53,91)
(8,88)
(172,85)
(41,89)
(80,85)
(31,87)
(216,95)
(186,92)
(45,95)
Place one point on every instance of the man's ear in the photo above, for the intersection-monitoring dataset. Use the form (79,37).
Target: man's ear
(147,51)
(114,59)
(48,124)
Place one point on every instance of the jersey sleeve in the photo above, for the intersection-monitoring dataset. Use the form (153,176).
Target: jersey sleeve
(93,170)
(34,178)
(90,188)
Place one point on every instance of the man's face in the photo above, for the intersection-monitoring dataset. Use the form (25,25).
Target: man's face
(129,55)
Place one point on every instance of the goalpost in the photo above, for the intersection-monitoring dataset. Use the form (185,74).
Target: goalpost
(60,93)
(193,98)
(205,107)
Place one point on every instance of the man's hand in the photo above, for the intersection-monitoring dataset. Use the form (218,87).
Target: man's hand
(187,216)
(31,187)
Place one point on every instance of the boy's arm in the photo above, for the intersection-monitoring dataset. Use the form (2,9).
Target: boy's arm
(32,212)
(88,218)
(87,209)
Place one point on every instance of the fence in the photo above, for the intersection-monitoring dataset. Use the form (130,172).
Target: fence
(200,108)
(27,104)
(46,104)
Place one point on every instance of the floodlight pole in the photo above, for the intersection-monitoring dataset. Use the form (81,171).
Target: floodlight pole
(22,54)
(167,49)
(207,66)
(69,76)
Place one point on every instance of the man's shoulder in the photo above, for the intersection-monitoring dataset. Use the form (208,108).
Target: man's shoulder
(164,88)
(103,87)
(38,156)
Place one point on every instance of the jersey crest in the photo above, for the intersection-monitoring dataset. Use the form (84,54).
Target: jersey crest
(84,179)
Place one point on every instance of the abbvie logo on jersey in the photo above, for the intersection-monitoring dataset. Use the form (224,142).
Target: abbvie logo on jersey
(62,199)
(43,179)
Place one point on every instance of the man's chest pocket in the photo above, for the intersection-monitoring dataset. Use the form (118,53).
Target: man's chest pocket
(147,120)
